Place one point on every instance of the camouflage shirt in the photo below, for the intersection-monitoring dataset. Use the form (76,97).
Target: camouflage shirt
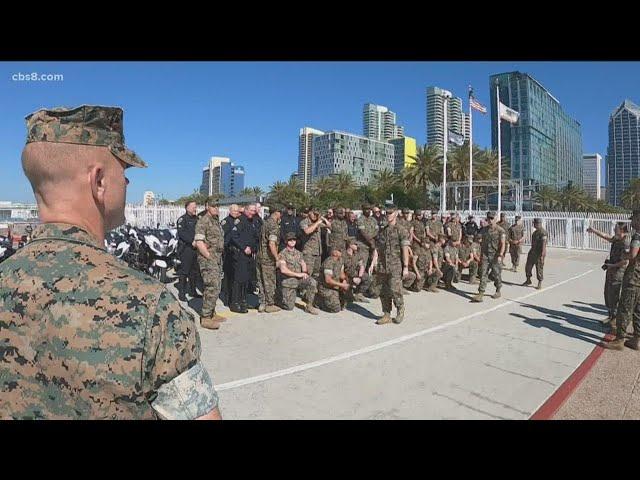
(403,223)
(516,232)
(83,336)
(632,274)
(435,227)
(338,235)
(389,245)
(270,232)
(491,240)
(451,253)
(332,267)
(210,231)
(619,246)
(352,264)
(292,258)
(464,251)
(368,226)
(437,253)
(538,240)
(419,230)
(312,243)
(454,230)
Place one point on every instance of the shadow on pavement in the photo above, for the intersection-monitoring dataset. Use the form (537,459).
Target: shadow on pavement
(557,327)
(586,309)
(360,310)
(597,306)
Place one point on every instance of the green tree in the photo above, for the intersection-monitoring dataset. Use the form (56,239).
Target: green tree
(547,198)
(631,195)
(427,169)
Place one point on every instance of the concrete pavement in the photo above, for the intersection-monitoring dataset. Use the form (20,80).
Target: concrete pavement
(449,359)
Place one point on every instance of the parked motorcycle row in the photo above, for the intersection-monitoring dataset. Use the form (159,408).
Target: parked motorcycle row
(6,248)
(150,250)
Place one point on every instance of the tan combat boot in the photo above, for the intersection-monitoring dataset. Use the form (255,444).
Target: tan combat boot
(496,295)
(311,309)
(399,315)
(386,318)
(617,344)
(261,308)
(539,285)
(272,309)
(433,289)
(209,323)
(478,298)
(219,318)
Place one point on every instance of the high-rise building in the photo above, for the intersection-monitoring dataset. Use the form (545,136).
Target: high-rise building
(148,198)
(305,155)
(435,115)
(545,146)
(340,152)
(222,176)
(467,126)
(623,152)
(404,151)
(379,123)
(591,176)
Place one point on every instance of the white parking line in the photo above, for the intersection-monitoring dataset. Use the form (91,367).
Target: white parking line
(388,343)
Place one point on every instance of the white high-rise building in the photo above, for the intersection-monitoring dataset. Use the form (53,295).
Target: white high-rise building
(221,176)
(591,176)
(435,116)
(379,123)
(148,199)
(305,155)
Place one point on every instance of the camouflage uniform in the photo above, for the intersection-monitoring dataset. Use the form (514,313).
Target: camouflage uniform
(489,260)
(338,236)
(330,299)
(422,252)
(368,226)
(437,255)
(534,257)
(435,227)
(209,230)
(464,253)
(266,265)
(454,231)
(516,232)
(629,304)
(352,264)
(86,337)
(449,272)
(614,276)
(388,279)
(290,285)
(312,249)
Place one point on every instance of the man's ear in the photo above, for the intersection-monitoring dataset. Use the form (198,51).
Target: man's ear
(98,184)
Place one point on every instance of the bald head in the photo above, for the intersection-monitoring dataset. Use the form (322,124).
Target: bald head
(234,210)
(77,184)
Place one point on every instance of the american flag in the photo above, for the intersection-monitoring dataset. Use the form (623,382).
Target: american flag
(477,105)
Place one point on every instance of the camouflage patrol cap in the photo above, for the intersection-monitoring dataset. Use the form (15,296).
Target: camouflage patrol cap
(84,125)
(290,236)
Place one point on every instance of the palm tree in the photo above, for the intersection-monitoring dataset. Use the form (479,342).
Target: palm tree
(322,186)
(344,182)
(631,195)
(573,199)
(427,169)
(547,197)
(385,180)
(458,164)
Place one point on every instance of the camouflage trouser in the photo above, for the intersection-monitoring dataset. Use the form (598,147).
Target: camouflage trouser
(363,254)
(422,263)
(266,271)
(211,272)
(538,261)
(494,264)
(432,280)
(313,264)
(290,287)
(390,285)
(473,269)
(628,310)
(449,273)
(612,287)
(514,251)
(330,300)
(364,286)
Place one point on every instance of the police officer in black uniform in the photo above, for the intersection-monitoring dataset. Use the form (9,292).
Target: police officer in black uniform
(243,245)
(187,252)
(288,223)
(227,258)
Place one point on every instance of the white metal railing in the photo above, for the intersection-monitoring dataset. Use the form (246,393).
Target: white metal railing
(566,229)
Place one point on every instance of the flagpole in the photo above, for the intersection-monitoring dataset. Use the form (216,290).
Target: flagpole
(499,150)
(470,154)
(443,197)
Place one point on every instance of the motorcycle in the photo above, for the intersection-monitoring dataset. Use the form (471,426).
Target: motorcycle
(161,246)
(6,248)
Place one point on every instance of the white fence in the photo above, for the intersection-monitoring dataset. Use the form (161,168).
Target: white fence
(566,229)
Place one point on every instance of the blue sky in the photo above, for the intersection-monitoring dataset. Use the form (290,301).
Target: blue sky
(178,114)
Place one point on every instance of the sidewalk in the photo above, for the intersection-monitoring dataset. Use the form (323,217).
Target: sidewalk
(610,391)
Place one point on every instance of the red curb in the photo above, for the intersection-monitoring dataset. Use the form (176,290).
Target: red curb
(557,399)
